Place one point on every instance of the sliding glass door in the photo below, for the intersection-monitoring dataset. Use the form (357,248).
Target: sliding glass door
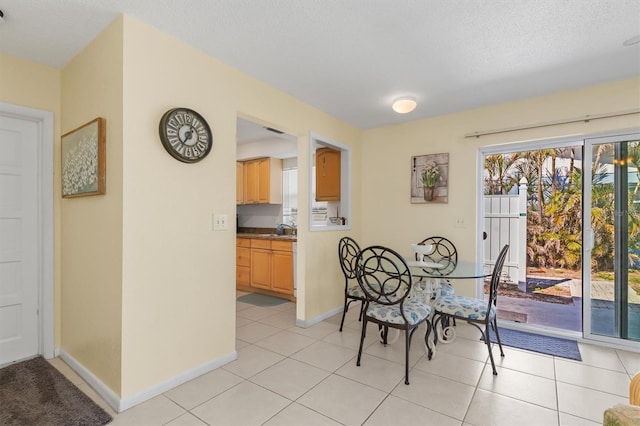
(611,249)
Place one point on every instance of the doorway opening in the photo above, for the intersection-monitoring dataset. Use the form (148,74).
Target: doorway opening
(266,210)
(532,200)
(580,201)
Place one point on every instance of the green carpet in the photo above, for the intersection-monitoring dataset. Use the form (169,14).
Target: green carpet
(261,300)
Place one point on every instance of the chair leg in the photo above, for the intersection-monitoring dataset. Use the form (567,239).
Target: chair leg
(434,322)
(407,344)
(361,310)
(445,322)
(383,331)
(487,340)
(426,340)
(495,328)
(362,336)
(344,312)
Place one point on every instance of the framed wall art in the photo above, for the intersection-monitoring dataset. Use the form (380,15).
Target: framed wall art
(84,160)
(430,178)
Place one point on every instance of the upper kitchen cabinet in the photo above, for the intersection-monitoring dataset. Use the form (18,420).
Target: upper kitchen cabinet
(239,182)
(327,174)
(263,181)
(330,186)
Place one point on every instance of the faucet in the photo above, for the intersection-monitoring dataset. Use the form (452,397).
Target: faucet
(280,229)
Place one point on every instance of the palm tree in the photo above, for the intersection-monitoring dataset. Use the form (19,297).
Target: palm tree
(499,179)
(537,159)
(633,152)
(602,213)
(564,211)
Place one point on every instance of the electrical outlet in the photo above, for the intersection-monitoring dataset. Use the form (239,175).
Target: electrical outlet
(459,222)
(220,222)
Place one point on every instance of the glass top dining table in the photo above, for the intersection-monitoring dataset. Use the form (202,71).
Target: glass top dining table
(463,270)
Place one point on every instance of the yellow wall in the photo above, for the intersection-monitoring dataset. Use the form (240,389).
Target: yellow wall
(148,289)
(91,239)
(398,223)
(36,86)
(178,304)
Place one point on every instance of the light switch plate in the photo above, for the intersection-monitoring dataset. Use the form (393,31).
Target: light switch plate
(220,222)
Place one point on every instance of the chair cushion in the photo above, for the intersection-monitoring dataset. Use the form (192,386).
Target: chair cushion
(422,289)
(464,307)
(446,289)
(414,310)
(354,290)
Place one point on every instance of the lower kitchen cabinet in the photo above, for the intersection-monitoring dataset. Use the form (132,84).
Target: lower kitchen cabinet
(243,262)
(270,266)
(261,268)
(282,266)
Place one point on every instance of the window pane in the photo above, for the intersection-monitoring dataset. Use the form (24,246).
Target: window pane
(290,196)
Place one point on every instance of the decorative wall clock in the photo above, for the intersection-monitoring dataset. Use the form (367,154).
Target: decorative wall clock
(185,135)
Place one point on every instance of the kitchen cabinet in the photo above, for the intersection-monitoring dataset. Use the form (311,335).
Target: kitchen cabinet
(265,266)
(261,264)
(243,261)
(262,181)
(282,266)
(327,174)
(239,182)
(272,265)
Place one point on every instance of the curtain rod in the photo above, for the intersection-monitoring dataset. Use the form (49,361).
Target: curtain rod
(586,119)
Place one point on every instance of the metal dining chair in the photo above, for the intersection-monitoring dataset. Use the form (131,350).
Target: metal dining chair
(386,281)
(348,250)
(474,311)
(444,253)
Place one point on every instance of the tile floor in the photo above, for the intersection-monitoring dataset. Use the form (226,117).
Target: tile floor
(286,375)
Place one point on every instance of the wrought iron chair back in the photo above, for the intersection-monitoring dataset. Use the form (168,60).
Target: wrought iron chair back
(385,279)
(348,250)
(474,311)
(444,253)
(383,275)
(495,277)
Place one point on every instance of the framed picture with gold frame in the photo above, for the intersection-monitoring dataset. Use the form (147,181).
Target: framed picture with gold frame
(430,178)
(84,160)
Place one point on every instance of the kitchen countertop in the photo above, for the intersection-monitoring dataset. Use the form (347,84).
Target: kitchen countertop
(285,237)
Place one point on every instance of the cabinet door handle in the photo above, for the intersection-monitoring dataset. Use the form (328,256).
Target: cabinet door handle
(324,170)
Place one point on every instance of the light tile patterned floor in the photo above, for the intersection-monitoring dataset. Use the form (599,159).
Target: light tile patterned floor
(286,375)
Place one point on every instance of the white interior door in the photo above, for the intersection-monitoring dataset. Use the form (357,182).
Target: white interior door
(19,263)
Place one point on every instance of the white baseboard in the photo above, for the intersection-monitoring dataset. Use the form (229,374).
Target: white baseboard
(313,321)
(103,390)
(121,404)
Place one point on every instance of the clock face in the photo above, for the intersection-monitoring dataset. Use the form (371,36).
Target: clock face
(185,135)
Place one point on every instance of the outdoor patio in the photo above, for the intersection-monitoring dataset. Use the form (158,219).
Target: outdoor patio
(568,316)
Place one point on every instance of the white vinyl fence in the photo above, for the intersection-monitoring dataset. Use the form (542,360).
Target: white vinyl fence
(505,222)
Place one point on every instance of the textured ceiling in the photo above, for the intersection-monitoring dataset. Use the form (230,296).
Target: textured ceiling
(351,58)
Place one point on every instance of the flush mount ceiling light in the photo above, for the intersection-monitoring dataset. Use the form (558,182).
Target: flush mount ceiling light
(404,105)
